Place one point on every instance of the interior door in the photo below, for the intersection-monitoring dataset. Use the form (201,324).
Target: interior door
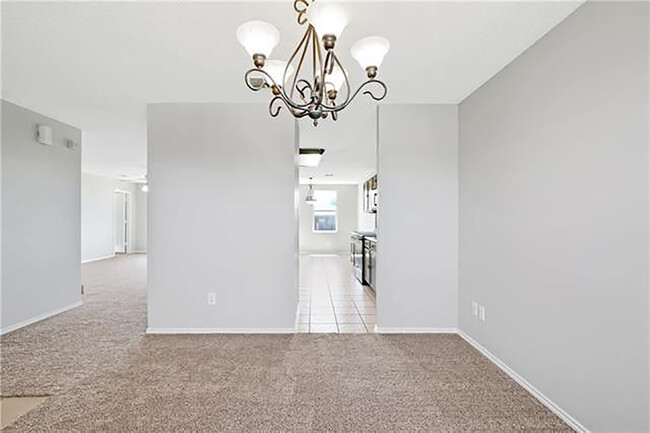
(121,212)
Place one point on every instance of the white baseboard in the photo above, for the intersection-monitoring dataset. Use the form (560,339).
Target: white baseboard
(557,410)
(98,259)
(220,330)
(24,323)
(325,253)
(382,330)
(138,252)
(297,321)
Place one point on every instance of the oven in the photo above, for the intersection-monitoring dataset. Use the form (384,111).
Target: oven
(356,255)
(370,261)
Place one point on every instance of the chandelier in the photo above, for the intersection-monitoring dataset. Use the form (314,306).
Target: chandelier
(310,82)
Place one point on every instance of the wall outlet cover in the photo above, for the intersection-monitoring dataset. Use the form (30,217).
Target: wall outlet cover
(481,313)
(474,308)
(212,299)
(71,144)
(44,135)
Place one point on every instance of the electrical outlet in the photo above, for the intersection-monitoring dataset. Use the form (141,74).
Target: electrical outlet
(481,313)
(474,309)
(212,299)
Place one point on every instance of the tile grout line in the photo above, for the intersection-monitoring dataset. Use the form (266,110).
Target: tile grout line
(350,290)
(359,314)
(329,291)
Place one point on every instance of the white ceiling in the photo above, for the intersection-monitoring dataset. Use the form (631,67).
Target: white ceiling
(96,65)
(350,145)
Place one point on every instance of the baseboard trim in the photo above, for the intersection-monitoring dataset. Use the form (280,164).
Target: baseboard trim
(27,322)
(98,259)
(138,252)
(297,321)
(325,253)
(220,330)
(381,330)
(557,410)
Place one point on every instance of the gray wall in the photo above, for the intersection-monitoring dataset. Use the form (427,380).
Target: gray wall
(417,224)
(140,222)
(338,242)
(222,218)
(98,218)
(554,215)
(40,218)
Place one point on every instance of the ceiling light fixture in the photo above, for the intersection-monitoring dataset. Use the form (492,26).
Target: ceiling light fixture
(310,157)
(313,87)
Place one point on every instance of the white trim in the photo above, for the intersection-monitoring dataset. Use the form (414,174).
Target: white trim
(220,330)
(129,205)
(24,323)
(557,410)
(138,252)
(98,259)
(325,253)
(381,330)
(297,321)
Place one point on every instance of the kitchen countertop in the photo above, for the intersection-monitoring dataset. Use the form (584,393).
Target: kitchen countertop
(365,234)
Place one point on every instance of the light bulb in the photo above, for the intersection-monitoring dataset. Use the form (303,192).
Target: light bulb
(327,18)
(275,68)
(145,188)
(258,37)
(370,52)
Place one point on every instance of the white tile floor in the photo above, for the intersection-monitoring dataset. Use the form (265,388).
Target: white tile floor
(331,298)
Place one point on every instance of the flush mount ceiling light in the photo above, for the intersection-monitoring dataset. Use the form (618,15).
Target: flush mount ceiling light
(310,157)
(313,87)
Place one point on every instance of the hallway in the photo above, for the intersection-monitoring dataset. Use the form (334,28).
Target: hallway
(332,299)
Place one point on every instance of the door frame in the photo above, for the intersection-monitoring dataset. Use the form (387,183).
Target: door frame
(129,219)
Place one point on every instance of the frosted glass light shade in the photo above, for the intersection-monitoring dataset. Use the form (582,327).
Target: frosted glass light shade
(275,68)
(258,37)
(370,51)
(327,18)
(335,80)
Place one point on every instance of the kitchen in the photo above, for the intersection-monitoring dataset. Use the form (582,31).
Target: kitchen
(337,223)
(363,244)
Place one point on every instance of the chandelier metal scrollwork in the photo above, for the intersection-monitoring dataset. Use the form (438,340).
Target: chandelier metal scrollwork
(320,86)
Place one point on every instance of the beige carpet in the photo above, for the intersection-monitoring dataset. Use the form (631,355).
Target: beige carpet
(49,356)
(104,374)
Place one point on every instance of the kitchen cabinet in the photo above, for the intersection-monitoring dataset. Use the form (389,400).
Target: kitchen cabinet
(363,250)
(370,195)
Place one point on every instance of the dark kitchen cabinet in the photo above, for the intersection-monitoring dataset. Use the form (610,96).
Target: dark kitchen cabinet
(370,195)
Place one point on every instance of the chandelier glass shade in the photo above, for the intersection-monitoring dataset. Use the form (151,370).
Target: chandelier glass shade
(258,37)
(313,82)
(276,69)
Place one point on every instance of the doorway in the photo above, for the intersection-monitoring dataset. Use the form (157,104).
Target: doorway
(122,221)
(336,284)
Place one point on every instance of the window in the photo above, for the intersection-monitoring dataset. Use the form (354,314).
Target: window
(325,219)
